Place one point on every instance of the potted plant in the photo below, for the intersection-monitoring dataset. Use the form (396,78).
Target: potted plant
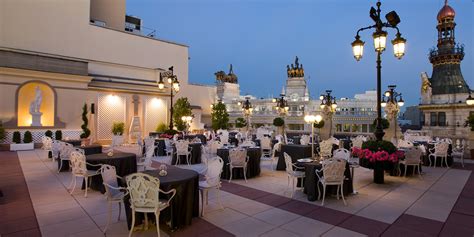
(118,128)
(58,135)
(85,130)
(16,137)
(379,156)
(181,108)
(161,128)
(49,134)
(280,124)
(27,139)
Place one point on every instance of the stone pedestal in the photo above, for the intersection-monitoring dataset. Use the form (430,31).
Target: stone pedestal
(36,119)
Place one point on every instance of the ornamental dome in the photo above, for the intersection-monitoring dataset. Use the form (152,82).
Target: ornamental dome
(446,12)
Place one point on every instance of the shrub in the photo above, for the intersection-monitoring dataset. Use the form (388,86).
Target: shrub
(2,132)
(16,137)
(219,116)
(385,123)
(49,133)
(161,127)
(58,135)
(118,128)
(181,108)
(27,137)
(375,146)
(240,123)
(85,130)
(278,122)
(319,125)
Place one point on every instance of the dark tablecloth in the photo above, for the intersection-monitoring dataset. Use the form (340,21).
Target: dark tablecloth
(257,142)
(311,181)
(195,155)
(185,204)
(253,166)
(125,164)
(73,142)
(160,147)
(88,150)
(295,151)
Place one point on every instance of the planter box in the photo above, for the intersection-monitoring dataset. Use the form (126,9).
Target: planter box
(22,147)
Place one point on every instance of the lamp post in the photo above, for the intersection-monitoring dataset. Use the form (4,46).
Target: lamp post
(311,119)
(173,82)
(247,109)
(282,108)
(380,38)
(187,120)
(328,106)
(392,101)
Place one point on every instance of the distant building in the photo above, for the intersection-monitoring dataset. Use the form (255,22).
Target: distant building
(413,115)
(443,105)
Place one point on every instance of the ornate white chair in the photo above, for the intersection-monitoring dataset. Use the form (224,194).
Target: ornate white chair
(412,158)
(458,151)
(404,144)
(292,173)
(304,140)
(55,149)
(334,141)
(212,181)
(332,173)
(148,141)
(144,193)
(65,150)
(276,148)
(357,142)
(144,163)
(183,149)
(342,153)
(113,191)
(169,150)
(266,146)
(213,146)
(238,159)
(47,143)
(325,149)
(247,143)
(224,138)
(79,169)
(439,150)
(117,140)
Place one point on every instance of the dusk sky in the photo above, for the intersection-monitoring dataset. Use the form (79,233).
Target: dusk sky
(260,37)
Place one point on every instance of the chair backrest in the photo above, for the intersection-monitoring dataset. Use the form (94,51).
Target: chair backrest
(213,146)
(276,148)
(357,142)
(182,147)
(117,140)
(447,140)
(55,148)
(168,143)
(150,150)
(266,143)
(109,177)
(78,163)
(441,148)
(413,155)
(405,144)
(304,140)
(237,157)
(333,170)
(148,141)
(341,153)
(334,141)
(224,138)
(248,143)
(288,163)
(214,169)
(325,148)
(47,142)
(144,190)
(65,150)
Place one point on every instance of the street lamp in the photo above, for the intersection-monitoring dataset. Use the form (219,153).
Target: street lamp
(281,105)
(328,106)
(391,96)
(172,80)
(311,119)
(380,39)
(247,109)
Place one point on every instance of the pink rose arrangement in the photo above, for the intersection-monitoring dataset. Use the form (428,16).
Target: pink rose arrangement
(380,155)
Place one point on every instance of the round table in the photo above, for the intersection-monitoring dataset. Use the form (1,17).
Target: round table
(74,142)
(185,204)
(253,166)
(124,163)
(195,155)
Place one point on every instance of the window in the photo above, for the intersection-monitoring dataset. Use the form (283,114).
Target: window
(347,128)
(433,119)
(338,127)
(296,126)
(364,128)
(355,128)
(441,119)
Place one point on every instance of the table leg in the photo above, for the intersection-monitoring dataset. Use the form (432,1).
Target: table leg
(354,191)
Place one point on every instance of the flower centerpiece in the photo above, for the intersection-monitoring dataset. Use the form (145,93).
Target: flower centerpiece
(379,156)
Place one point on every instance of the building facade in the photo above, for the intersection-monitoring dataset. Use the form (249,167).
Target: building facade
(71,53)
(443,105)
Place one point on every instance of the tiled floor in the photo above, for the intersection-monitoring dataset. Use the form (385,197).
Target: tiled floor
(440,203)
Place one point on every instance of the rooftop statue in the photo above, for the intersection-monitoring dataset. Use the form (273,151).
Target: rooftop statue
(229,78)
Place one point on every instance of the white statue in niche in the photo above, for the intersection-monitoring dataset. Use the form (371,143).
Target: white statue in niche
(35,108)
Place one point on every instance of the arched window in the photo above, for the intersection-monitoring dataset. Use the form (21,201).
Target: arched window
(36,97)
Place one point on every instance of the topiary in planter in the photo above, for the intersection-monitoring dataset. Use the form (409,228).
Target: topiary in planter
(278,122)
(385,123)
(58,135)
(85,130)
(49,133)
(27,138)
(118,128)
(319,125)
(16,137)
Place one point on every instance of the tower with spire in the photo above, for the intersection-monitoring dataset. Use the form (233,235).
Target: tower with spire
(296,88)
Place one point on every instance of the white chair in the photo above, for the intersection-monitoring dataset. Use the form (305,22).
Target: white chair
(117,140)
(79,169)
(305,139)
(342,153)
(224,138)
(357,142)
(169,150)
(148,141)
(247,143)
(266,146)
(47,143)
(65,150)
(325,149)
(334,141)
(113,191)
(332,174)
(212,181)
(145,162)
(213,146)
(440,150)
(293,174)
(238,159)
(412,158)
(405,144)
(183,149)
(458,151)
(144,193)
(55,149)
